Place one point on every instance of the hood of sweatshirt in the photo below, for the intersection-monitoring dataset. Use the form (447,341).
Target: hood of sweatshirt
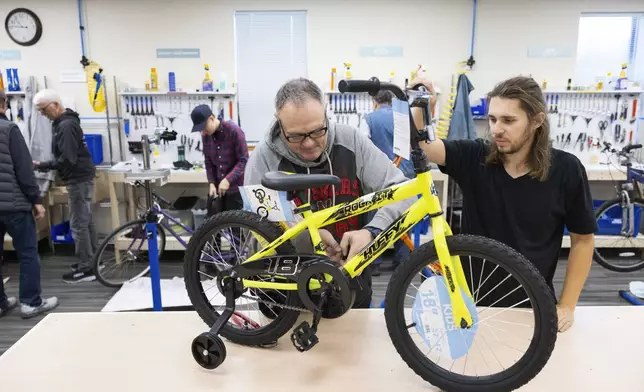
(67,115)
(275,141)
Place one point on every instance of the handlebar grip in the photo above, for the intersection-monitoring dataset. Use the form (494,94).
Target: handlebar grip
(631,147)
(371,86)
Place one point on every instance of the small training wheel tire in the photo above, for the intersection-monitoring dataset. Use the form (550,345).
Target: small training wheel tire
(208,350)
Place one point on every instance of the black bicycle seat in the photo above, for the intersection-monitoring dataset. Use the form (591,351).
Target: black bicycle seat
(281,181)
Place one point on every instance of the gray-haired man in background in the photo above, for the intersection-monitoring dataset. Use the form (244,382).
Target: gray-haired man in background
(303,141)
(76,169)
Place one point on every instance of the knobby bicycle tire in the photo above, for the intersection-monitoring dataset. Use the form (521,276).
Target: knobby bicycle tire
(598,257)
(543,304)
(270,231)
(101,249)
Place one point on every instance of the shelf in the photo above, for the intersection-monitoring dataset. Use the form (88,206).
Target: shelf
(177,93)
(15,93)
(632,91)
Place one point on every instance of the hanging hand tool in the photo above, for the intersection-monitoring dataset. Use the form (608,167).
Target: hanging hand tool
(603,124)
(578,140)
(557,104)
(623,115)
(335,109)
(613,116)
(634,113)
(618,130)
(190,143)
(212,102)
(568,140)
(623,136)
(230,110)
(151,108)
(127,104)
(583,141)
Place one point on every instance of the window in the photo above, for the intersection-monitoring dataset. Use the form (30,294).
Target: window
(605,42)
(271,48)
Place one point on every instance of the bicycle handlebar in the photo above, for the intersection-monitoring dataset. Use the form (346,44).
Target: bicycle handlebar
(371,86)
(631,147)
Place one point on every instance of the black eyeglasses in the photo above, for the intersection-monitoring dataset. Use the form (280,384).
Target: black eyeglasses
(299,138)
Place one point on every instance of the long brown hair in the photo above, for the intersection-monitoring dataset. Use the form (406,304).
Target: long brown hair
(532,101)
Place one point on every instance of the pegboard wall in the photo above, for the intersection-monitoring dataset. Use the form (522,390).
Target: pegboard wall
(581,122)
(147,113)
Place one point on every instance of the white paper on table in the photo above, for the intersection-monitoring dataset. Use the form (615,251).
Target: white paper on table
(267,203)
(401,128)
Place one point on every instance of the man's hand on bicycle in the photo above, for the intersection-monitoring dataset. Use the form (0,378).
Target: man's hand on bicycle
(333,249)
(352,243)
(213,190)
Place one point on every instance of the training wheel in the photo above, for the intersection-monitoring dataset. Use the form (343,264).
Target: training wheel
(208,350)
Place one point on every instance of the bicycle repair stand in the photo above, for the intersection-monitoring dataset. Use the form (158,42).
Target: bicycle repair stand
(148,175)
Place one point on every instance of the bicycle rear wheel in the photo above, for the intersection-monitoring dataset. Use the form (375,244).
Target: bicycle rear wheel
(126,250)
(416,333)
(616,252)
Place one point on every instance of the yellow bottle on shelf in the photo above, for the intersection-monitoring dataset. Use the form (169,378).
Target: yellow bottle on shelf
(208,84)
(154,80)
(347,71)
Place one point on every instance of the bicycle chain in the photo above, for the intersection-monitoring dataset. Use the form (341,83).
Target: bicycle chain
(269,303)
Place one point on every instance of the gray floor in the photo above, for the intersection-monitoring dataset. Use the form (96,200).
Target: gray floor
(601,289)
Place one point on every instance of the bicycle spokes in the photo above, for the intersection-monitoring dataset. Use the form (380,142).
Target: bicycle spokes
(503,323)
(226,248)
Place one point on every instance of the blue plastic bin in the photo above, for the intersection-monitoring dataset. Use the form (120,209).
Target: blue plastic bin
(62,233)
(95,147)
(610,223)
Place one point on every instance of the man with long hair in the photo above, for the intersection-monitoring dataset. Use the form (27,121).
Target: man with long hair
(519,190)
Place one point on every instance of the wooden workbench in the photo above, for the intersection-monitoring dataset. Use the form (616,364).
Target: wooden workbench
(151,352)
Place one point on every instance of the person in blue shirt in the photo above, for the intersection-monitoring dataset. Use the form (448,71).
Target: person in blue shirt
(381,129)
(381,133)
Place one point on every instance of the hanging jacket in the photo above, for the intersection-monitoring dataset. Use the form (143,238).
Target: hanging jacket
(462,124)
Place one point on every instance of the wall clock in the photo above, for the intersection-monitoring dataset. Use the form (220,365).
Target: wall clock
(23,27)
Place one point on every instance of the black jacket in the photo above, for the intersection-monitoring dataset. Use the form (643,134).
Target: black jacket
(71,156)
(18,188)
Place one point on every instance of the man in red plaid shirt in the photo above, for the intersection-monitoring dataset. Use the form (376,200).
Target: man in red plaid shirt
(225,155)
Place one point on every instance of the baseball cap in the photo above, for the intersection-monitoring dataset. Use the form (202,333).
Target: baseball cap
(199,116)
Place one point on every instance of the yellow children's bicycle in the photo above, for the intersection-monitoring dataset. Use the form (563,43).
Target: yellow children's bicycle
(477,295)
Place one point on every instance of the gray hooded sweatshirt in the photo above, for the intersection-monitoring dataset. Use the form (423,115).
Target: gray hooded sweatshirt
(350,155)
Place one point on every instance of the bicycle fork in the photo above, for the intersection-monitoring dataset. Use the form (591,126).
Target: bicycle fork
(453,273)
(628,214)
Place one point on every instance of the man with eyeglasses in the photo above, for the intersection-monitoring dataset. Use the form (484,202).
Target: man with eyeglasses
(75,168)
(303,141)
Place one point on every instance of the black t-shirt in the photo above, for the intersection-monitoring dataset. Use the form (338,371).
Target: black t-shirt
(527,214)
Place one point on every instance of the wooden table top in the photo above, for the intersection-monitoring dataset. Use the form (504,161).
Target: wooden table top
(151,352)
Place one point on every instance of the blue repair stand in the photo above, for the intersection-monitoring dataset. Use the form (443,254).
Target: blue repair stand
(627,295)
(148,176)
(153,251)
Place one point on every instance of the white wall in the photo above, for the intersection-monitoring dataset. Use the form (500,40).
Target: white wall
(124,34)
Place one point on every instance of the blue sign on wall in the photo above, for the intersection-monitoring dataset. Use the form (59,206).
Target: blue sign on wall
(178,53)
(10,55)
(381,51)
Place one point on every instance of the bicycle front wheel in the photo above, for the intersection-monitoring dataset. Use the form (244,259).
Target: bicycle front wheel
(616,251)
(123,255)
(513,311)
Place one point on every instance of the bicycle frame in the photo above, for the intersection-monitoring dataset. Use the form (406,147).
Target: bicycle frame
(427,204)
(166,226)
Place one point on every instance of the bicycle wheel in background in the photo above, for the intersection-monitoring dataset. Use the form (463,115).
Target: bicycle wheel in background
(617,252)
(513,313)
(123,255)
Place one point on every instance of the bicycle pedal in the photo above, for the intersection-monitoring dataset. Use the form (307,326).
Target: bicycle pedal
(303,337)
